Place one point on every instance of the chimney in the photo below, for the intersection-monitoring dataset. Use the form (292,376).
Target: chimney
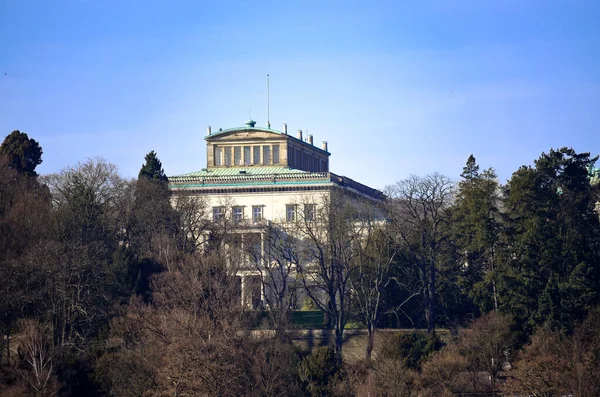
(325,145)
(310,139)
(208,130)
(300,134)
(285,128)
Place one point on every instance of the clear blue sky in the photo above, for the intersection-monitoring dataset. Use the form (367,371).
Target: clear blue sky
(395,87)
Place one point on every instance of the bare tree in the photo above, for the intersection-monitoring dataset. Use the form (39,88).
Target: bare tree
(88,208)
(371,267)
(24,220)
(194,220)
(418,212)
(276,260)
(38,357)
(329,236)
(84,200)
(192,333)
(487,345)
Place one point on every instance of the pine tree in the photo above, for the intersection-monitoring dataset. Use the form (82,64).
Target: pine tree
(475,231)
(471,169)
(24,153)
(152,169)
(550,267)
(155,221)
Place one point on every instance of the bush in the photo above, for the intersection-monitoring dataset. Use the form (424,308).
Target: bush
(352,380)
(318,370)
(275,368)
(392,378)
(412,349)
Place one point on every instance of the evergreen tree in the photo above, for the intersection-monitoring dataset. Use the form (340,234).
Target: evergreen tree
(471,169)
(475,231)
(24,153)
(551,262)
(155,223)
(152,169)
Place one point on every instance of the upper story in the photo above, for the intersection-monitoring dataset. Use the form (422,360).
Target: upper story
(254,160)
(252,146)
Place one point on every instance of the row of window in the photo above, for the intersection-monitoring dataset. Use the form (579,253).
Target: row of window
(238,213)
(291,212)
(305,160)
(246,155)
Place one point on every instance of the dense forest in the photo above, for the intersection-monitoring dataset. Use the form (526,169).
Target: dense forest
(107,289)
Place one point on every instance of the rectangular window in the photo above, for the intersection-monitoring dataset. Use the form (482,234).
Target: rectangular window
(257,213)
(238,213)
(218,213)
(218,155)
(275,154)
(266,154)
(310,212)
(228,156)
(234,240)
(290,212)
(253,245)
(256,154)
(247,156)
(237,155)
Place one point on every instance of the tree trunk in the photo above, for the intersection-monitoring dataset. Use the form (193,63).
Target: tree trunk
(8,331)
(430,311)
(339,339)
(495,295)
(429,317)
(370,341)
(494,284)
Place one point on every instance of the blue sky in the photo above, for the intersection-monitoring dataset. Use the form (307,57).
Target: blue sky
(395,87)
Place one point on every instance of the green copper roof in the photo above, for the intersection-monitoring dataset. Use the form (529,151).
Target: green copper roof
(246,127)
(244,171)
(265,176)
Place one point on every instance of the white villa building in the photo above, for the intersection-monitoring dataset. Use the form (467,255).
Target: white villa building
(260,176)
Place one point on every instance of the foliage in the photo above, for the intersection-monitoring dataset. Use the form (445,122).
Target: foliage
(317,371)
(419,211)
(324,250)
(372,269)
(554,363)
(475,230)
(393,378)
(412,349)
(152,169)
(275,368)
(114,287)
(24,154)
(473,361)
(549,265)
(487,345)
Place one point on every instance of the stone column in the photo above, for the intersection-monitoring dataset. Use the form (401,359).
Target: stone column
(243,283)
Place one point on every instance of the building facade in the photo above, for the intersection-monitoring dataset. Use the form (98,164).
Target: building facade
(261,177)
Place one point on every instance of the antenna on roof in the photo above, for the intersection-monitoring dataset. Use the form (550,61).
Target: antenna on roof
(268,104)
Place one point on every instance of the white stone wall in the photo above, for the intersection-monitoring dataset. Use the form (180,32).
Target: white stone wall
(274,203)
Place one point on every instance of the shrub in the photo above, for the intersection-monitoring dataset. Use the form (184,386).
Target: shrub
(392,378)
(317,371)
(412,349)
